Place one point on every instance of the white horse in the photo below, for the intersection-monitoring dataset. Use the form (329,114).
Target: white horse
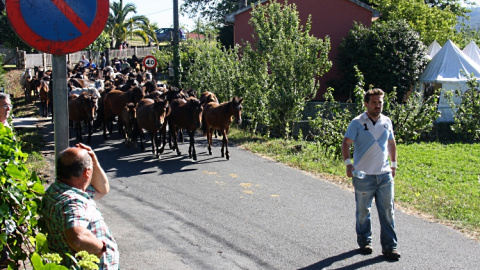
(25,79)
(92,91)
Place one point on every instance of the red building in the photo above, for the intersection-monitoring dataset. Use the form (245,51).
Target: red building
(334,18)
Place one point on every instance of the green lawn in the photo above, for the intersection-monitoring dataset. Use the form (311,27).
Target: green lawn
(434,179)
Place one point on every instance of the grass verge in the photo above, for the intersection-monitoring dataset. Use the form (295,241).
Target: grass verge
(436,181)
(31,139)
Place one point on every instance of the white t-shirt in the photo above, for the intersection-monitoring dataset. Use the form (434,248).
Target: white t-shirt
(370,143)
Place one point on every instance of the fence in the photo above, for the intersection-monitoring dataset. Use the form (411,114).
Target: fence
(22,60)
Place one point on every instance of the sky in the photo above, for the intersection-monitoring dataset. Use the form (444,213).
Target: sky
(161,12)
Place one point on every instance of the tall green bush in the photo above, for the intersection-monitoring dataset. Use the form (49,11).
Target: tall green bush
(294,58)
(413,118)
(467,113)
(333,118)
(214,69)
(20,192)
(389,54)
(276,75)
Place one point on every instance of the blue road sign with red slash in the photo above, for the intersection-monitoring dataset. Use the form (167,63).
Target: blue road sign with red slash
(58,26)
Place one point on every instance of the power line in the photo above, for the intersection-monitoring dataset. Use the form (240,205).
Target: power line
(158,12)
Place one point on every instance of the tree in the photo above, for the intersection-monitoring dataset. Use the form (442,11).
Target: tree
(454,6)
(389,54)
(102,42)
(295,59)
(467,113)
(120,25)
(434,20)
(276,75)
(214,10)
(8,35)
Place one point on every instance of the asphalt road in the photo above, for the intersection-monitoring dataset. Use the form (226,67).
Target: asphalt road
(250,213)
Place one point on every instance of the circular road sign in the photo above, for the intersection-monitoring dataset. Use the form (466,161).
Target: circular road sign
(149,62)
(58,26)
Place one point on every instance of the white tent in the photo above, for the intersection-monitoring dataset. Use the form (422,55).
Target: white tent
(472,51)
(433,49)
(445,71)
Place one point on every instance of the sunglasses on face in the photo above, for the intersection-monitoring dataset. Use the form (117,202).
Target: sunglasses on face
(7,106)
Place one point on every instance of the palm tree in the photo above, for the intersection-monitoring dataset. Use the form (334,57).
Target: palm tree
(119,26)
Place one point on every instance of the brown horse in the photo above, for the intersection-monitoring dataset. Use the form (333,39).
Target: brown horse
(129,117)
(151,117)
(81,108)
(208,97)
(169,95)
(113,104)
(25,83)
(185,115)
(43,94)
(219,116)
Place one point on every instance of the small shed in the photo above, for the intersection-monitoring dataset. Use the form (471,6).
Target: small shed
(446,71)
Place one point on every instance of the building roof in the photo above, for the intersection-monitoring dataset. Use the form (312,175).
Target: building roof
(230,18)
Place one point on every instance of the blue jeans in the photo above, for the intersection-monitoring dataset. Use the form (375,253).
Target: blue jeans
(380,187)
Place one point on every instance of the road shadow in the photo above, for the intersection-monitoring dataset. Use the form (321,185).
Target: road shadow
(125,161)
(343,257)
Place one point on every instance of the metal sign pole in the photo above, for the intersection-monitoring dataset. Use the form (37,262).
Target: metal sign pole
(60,102)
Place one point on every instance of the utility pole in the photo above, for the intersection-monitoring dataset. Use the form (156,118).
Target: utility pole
(176,51)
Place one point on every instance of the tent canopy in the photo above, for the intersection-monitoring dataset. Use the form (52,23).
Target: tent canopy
(433,49)
(447,65)
(472,51)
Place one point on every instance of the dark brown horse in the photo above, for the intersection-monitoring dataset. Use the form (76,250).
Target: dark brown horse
(129,117)
(81,108)
(151,117)
(219,116)
(185,115)
(113,104)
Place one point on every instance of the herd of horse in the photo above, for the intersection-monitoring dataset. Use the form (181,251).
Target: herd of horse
(136,102)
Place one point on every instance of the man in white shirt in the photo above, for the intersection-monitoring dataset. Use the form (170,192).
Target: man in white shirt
(372,136)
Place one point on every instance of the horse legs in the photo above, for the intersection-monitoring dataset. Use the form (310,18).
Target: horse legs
(78,130)
(52,110)
(27,92)
(140,131)
(225,144)
(174,136)
(157,142)
(44,108)
(191,149)
(170,137)
(89,127)
(209,140)
(154,139)
(163,135)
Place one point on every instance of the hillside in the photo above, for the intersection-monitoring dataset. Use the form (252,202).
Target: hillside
(474,18)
